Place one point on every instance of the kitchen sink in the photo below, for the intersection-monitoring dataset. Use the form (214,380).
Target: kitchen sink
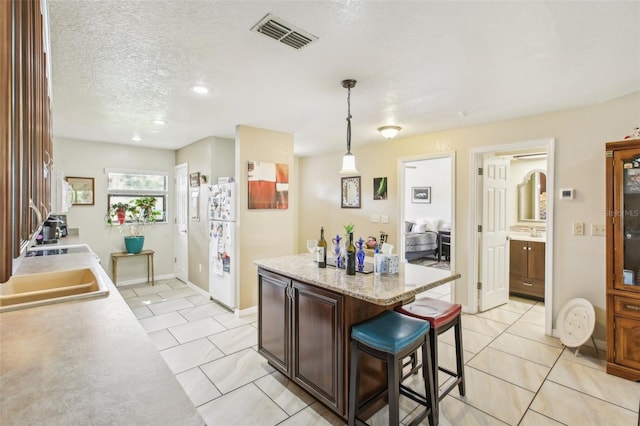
(26,291)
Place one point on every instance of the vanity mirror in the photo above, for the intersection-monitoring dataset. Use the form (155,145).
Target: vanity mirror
(532,197)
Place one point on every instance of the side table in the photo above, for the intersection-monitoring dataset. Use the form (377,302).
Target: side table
(444,245)
(124,254)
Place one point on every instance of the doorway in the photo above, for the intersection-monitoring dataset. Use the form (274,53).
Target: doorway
(181,228)
(427,204)
(484,263)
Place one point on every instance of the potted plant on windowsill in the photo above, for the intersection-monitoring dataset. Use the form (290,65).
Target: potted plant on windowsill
(138,213)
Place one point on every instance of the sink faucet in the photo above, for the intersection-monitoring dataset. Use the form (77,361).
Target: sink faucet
(534,231)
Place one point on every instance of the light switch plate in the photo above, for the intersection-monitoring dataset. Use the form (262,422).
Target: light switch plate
(578,228)
(375,218)
(597,230)
(384,218)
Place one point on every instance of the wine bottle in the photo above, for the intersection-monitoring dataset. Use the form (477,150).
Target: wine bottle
(321,251)
(351,256)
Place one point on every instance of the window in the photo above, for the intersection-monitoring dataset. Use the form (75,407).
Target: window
(124,186)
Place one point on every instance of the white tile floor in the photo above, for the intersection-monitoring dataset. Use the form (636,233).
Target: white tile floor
(515,374)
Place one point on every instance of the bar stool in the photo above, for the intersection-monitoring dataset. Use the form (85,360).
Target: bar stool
(391,337)
(441,316)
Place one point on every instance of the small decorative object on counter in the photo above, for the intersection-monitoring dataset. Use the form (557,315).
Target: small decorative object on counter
(371,243)
(336,250)
(351,256)
(321,253)
(360,254)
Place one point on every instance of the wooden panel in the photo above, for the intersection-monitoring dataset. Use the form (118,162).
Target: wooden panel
(317,336)
(536,261)
(6,172)
(526,287)
(518,258)
(628,307)
(627,342)
(274,319)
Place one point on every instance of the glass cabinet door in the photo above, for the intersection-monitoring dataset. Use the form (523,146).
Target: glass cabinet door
(627,173)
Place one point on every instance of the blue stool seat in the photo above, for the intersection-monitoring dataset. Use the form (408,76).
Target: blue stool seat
(391,337)
(390,332)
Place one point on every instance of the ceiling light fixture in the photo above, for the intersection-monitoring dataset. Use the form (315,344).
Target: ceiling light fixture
(349,160)
(201,90)
(159,122)
(389,132)
(136,138)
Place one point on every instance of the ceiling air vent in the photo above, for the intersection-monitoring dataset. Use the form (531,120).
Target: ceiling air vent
(282,31)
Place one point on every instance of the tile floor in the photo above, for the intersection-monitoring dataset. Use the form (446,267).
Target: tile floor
(514,373)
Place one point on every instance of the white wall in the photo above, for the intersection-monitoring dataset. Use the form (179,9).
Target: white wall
(89,159)
(433,173)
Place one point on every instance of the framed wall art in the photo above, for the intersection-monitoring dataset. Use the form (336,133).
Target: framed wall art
(421,194)
(194,180)
(268,185)
(380,188)
(350,192)
(83,190)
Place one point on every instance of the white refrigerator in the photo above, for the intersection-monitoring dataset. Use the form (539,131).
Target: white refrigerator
(222,249)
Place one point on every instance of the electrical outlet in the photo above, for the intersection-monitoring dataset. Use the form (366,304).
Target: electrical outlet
(597,230)
(578,228)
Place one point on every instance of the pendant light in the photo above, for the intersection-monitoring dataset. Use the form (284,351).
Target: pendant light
(349,160)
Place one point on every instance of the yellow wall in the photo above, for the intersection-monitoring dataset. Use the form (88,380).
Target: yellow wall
(263,233)
(580,135)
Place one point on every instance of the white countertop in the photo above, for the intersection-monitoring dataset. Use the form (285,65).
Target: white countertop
(84,362)
(378,289)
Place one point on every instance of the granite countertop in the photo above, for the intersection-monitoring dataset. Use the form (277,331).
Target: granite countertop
(378,289)
(84,362)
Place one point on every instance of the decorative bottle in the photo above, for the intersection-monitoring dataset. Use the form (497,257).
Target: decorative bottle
(351,256)
(321,253)
(360,255)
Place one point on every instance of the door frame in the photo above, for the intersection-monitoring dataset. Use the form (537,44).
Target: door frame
(176,247)
(401,196)
(476,155)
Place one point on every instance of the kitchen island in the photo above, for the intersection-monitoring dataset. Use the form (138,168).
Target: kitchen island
(305,316)
(86,362)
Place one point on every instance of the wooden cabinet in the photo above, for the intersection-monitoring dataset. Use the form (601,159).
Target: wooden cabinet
(300,332)
(623,258)
(304,332)
(25,126)
(527,268)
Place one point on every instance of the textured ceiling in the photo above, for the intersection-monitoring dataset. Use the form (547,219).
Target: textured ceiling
(117,65)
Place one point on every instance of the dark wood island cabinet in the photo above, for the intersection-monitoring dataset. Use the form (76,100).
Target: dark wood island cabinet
(305,316)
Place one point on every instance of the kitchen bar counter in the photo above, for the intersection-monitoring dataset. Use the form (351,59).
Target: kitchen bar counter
(84,362)
(305,315)
(384,290)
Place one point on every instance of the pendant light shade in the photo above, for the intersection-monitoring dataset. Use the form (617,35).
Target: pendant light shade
(349,160)
(348,164)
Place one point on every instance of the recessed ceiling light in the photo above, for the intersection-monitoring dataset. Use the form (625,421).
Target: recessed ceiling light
(200,89)
(389,132)
(159,122)
(136,138)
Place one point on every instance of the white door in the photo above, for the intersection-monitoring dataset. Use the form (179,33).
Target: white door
(182,222)
(494,253)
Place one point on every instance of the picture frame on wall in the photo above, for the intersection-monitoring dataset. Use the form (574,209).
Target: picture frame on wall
(380,188)
(194,180)
(421,194)
(350,192)
(83,190)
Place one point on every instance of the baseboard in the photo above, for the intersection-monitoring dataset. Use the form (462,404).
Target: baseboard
(144,280)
